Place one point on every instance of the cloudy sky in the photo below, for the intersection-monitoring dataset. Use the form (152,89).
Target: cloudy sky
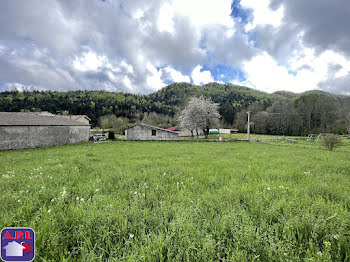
(139,46)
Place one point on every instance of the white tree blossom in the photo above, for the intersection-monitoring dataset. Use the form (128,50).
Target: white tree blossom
(200,113)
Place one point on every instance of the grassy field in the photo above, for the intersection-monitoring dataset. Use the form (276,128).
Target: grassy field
(180,201)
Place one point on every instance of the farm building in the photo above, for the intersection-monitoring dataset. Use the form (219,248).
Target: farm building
(81,118)
(29,130)
(184,132)
(147,132)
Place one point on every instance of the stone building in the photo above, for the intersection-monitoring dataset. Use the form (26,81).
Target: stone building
(81,118)
(185,132)
(29,130)
(147,132)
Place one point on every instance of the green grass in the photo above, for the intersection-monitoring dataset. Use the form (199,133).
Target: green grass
(180,201)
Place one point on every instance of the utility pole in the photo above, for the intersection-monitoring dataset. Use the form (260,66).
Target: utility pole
(248,127)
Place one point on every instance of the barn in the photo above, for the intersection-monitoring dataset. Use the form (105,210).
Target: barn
(147,132)
(29,130)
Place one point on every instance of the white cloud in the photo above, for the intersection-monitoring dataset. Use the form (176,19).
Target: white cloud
(171,74)
(263,14)
(154,76)
(200,13)
(134,46)
(89,61)
(303,73)
(201,77)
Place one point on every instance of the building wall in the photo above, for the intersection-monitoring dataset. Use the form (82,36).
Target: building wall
(225,131)
(187,133)
(19,137)
(145,133)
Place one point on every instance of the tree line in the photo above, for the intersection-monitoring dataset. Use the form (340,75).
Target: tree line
(278,113)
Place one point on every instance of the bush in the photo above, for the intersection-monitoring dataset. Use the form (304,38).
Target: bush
(111,135)
(331,141)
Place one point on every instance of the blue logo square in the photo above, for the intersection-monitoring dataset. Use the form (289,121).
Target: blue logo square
(17,244)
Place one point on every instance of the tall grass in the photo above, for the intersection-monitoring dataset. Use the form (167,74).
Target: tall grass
(156,201)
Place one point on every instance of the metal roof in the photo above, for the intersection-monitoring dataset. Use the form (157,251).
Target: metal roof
(36,119)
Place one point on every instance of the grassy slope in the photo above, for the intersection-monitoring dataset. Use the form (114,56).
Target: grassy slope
(196,201)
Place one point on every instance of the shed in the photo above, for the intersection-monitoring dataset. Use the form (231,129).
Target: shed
(147,132)
(28,130)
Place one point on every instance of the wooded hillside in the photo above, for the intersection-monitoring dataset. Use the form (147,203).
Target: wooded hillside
(277,113)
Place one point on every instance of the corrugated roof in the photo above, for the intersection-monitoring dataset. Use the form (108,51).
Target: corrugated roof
(174,128)
(33,119)
(155,127)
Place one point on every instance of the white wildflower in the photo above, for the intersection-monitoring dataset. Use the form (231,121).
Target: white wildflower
(82,199)
(131,236)
(49,211)
(97,189)
(268,188)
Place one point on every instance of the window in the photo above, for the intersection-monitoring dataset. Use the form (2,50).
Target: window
(154,132)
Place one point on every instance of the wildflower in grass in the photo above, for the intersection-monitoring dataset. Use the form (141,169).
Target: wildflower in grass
(82,199)
(177,183)
(319,253)
(131,236)
(53,200)
(77,198)
(135,193)
(268,188)
(49,211)
(281,187)
(97,189)
(164,173)
(327,244)
(63,194)
(19,200)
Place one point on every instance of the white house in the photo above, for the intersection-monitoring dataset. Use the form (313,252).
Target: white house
(14,249)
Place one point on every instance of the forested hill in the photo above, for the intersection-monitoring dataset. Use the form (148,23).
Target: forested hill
(278,113)
(167,101)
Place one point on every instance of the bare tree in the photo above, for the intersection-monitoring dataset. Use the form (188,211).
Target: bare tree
(200,113)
